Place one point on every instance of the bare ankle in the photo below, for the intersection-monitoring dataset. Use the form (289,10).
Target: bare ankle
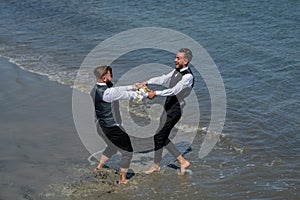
(181,159)
(155,165)
(123,179)
(183,166)
(154,168)
(101,165)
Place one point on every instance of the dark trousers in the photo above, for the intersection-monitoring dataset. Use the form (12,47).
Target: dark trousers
(161,138)
(116,140)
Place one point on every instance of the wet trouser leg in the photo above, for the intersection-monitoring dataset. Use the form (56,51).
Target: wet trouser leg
(117,140)
(161,138)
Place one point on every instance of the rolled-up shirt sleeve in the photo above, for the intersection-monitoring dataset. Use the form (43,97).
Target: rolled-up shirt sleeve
(185,82)
(119,93)
(164,79)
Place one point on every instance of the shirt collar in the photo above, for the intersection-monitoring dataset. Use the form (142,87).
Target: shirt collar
(183,69)
(102,84)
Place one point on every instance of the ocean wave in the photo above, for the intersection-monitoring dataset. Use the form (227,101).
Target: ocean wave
(40,64)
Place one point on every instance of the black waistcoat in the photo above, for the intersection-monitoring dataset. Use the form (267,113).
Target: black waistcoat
(174,102)
(103,110)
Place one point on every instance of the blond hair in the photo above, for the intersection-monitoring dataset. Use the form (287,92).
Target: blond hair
(100,71)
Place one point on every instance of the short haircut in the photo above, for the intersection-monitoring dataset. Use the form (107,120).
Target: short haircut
(100,71)
(187,53)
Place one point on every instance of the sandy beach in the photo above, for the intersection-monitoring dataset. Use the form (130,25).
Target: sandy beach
(42,156)
(39,143)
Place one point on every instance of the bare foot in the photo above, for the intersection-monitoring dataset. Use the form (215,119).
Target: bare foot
(184,166)
(154,168)
(120,182)
(96,170)
(123,179)
(101,163)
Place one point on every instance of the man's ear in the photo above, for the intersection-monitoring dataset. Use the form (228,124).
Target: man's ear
(186,62)
(103,78)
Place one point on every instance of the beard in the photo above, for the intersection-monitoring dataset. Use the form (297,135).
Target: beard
(178,67)
(109,84)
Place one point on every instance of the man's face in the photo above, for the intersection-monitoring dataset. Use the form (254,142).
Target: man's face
(180,62)
(108,77)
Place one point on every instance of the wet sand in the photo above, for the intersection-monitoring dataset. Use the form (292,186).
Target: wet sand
(39,143)
(42,156)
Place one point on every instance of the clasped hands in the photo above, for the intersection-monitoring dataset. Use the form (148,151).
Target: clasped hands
(151,93)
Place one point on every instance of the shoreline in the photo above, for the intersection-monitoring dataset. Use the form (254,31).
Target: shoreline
(42,156)
(39,142)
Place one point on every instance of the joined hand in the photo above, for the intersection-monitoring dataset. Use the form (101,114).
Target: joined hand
(137,86)
(151,94)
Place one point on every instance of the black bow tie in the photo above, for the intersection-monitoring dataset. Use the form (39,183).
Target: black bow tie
(178,70)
